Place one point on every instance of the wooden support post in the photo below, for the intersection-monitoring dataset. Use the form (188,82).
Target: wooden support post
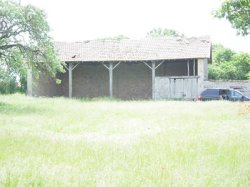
(110,79)
(188,68)
(153,68)
(70,79)
(153,80)
(111,68)
(197,87)
(170,90)
(194,68)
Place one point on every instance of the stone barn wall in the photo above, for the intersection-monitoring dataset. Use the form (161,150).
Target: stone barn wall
(130,81)
(176,68)
(88,80)
(46,87)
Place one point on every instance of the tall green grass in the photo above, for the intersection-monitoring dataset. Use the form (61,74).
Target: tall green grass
(63,142)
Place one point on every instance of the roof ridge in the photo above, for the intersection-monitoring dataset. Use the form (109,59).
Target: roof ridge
(206,37)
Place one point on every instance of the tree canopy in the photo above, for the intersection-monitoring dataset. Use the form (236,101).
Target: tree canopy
(118,37)
(229,65)
(237,12)
(164,32)
(25,40)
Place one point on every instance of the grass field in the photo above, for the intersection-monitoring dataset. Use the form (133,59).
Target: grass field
(63,142)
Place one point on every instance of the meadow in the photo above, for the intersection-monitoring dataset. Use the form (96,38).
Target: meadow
(102,142)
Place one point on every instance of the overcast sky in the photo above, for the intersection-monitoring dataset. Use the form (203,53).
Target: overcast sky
(77,20)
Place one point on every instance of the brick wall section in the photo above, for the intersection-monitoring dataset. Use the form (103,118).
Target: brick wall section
(45,86)
(130,81)
(243,86)
(175,68)
(89,80)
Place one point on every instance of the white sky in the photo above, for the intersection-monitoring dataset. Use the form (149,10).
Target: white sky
(77,20)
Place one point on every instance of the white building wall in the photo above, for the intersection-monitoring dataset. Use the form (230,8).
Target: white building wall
(202,73)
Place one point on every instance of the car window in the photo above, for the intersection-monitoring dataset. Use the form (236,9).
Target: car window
(210,92)
(224,92)
(228,92)
(236,94)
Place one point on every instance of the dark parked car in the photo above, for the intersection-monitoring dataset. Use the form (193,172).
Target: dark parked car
(222,94)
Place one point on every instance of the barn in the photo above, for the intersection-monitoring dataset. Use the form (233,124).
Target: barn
(149,68)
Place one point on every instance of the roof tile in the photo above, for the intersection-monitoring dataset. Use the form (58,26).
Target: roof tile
(134,50)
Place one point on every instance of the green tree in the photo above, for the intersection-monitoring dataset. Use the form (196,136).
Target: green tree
(229,65)
(237,12)
(221,54)
(241,62)
(163,32)
(25,41)
(8,82)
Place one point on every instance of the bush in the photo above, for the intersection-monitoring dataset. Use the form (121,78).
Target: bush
(229,65)
(8,82)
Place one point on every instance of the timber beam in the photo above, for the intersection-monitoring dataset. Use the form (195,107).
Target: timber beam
(153,67)
(110,68)
(70,69)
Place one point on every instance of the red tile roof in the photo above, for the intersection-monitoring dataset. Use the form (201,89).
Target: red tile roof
(134,50)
